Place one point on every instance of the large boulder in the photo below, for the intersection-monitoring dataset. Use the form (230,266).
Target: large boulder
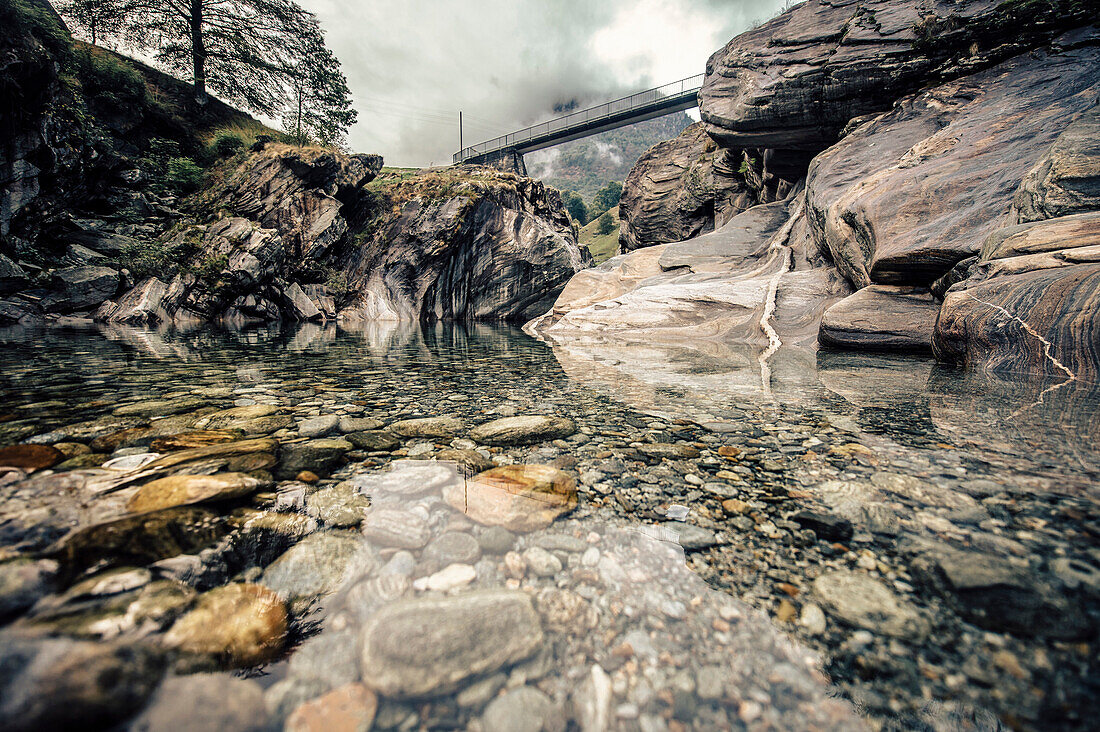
(908,194)
(80,288)
(689,186)
(796,81)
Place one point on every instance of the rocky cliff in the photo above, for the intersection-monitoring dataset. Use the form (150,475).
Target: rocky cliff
(960,217)
(304,234)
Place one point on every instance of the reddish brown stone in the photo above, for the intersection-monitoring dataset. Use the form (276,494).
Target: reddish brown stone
(30,457)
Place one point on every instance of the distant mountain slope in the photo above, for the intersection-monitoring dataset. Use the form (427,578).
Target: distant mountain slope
(587,165)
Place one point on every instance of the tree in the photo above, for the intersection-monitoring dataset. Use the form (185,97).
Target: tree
(320,109)
(574,204)
(243,50)
(97,20)
(608,197)
(604,224)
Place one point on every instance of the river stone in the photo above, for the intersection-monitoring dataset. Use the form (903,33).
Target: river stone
(392,527)
(22,582)
(310,569)
(205,703)
(54,684)
(30,457)
(496,540)
(471,461)
(669,450)
(523,430)
(347,425)
(80,288)
(373,440)
(80,462)
(427,646)
(131,437)
(233,626)
(351,708)
(520,710)
(448,578)
(864,602)
(183,490)
(318,426)
(317,456)
(339,505)
(691,537)
(255,419)
(407,478)
(452,547)
(72,449)
(330,656)
(428,427)
(191,440)
(519,498)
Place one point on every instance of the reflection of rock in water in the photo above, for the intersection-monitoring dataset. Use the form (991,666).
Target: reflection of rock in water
(1048,423)
(589,619)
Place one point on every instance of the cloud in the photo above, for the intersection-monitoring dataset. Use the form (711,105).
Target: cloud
(413,64)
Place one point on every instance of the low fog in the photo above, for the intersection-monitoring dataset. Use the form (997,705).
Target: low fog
(413,64)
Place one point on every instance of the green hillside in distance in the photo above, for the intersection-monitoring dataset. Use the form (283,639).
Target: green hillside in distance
(589,164)
(602,246)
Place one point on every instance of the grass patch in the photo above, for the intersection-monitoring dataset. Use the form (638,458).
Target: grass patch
(602,246)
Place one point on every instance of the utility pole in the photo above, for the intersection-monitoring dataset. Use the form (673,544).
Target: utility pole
(460,145)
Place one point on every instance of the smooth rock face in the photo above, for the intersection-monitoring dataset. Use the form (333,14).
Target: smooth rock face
(1067,179)
(525,430)
(972,141)
(205,703)
(425,647)
(881,317)
(689,186)
(796,81)
(230,627)
(516,497)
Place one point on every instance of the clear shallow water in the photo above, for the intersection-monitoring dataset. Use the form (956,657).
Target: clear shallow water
(626,628)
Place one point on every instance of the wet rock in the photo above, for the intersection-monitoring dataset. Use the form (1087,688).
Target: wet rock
(340,505)
(825,525)
(442,427)
(426,646)
(453,547)
(230,627)
(397,528)
(373,440)
(592,701)
(541,563)
(205,703)
(350,707)
(160,407)
(520,710)
(318,426)
(448,578)
(347,425)
(80,288)
(318,456)
(30,457)
(183,490)
(66,684)
(881,317)
(12,276)
(523,430)
(311,569)
(495,540)
(668,450)
(864,602)
(471,461)
(994,593)
(330,657)
(256,419)
(191,440)
(518,498)
(690,537)
(139,540)
(132,437)
(23,582)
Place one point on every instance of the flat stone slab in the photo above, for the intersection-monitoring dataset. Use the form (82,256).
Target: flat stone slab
(426,647)
(523,430)
(882,317)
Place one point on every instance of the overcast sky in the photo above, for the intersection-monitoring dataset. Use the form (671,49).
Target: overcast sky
(413,64)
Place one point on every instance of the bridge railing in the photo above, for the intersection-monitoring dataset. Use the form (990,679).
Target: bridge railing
(637,101)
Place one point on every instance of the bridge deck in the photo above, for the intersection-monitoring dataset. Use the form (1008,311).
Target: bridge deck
(673,97)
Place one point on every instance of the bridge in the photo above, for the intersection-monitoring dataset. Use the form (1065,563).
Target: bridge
(673,97)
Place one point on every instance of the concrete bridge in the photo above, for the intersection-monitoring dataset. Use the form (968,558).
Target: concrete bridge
(509,149)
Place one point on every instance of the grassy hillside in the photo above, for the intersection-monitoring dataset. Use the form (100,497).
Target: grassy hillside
(602,246)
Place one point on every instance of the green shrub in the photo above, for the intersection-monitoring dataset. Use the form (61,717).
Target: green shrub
(182,175)
(107,79)
(227,144)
